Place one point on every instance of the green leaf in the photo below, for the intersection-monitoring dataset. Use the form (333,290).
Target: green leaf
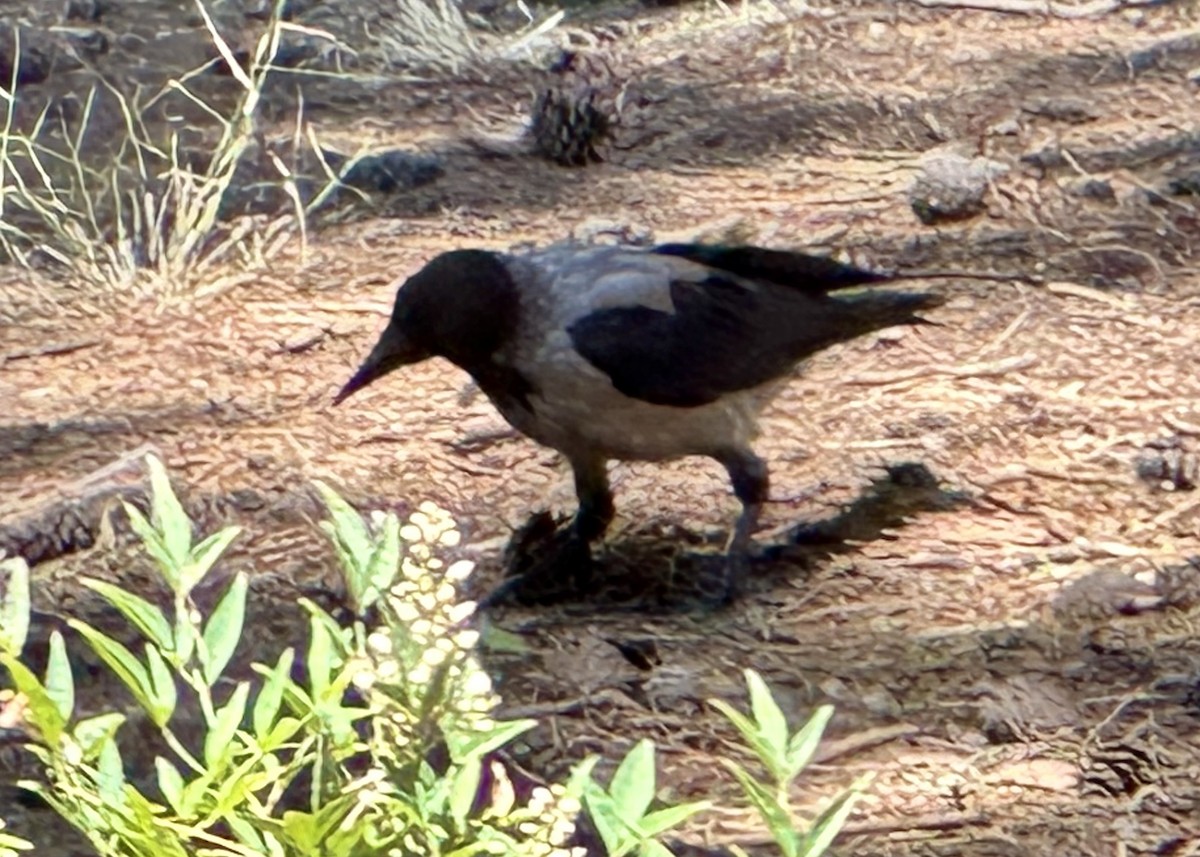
(829,823)
(281,733)
(121,661)
(170,783)
(772,725)
(224,629)
(464,746)
(10,843)
(308,830)
(348,531)
(195,794)
(93,733)
(110,775)
(773,815)
(167,514)
(141,613)
(464,789)
(270,695)
(301,829)
(614,833)
(41,710)
(143,824)
(352,574)
(493,638)
(743,724)
(246,833)
(664,819)
(60,685)
(233,790)
(803,745)
(321,660)
(14,604)
(186,632)
(206,554)
(218,741)
(383,565)
(581,777)
(753,738)
(162,682)
(154,545)
(654,848)
(632,786)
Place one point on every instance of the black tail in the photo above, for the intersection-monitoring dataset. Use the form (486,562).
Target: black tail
(801,271)
(868,310)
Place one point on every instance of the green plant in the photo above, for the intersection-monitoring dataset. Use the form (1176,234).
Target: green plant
(621,813)
(10,845)
(784,756)
(382,748)
(277,766)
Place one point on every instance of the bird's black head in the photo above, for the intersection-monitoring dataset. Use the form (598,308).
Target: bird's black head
(463,306)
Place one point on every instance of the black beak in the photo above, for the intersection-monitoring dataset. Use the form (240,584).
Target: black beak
(392,351)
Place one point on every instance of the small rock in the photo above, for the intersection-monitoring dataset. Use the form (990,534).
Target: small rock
(86,10)
(387,172)
(88,41)
(1091,188)
(951,186)
(1167,465)
(130,42)
(1103,593)
(601,231)
(247,500)
(261,9)
(1185,185)
(37,55)
(1073,111)
(1048,158)
(1006,128)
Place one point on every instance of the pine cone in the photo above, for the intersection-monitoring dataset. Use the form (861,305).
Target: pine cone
(576,111)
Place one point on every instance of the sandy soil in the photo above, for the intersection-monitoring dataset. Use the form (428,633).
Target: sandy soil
(981,545)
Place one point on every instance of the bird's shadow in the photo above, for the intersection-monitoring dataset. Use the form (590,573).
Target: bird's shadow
(665,569)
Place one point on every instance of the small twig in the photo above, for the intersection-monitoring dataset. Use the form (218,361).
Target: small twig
(1040,7)
(930,821)
(1079,477)
(1005,334)
(969,370)
(1090,294)
(1180,425)
(46,350)
(100,479)
(830,750)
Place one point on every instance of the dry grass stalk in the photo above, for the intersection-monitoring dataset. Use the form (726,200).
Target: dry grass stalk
(145,220)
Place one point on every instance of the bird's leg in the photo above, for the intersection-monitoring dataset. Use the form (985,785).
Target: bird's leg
(595,513)
(568,551)
(596,508)
(748,473)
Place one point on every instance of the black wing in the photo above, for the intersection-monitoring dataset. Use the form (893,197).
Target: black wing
(727,335)
(783,267)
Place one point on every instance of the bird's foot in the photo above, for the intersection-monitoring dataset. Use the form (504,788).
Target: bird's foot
(736,572)
(545,562)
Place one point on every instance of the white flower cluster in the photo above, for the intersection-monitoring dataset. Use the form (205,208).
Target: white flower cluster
(425,604)
(553,824)
(428,636)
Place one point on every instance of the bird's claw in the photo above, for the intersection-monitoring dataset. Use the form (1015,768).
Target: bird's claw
(545,568)
(736,571)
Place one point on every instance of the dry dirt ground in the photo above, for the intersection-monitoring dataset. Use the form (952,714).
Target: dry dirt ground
(983,536)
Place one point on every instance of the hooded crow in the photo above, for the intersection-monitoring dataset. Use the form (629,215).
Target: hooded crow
(604,352)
